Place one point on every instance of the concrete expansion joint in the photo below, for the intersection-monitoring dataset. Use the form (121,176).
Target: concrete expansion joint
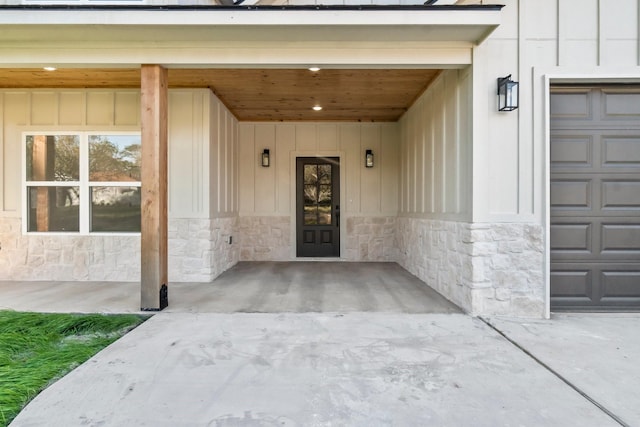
(556,374)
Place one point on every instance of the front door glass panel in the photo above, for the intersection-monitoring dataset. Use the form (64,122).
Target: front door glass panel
(317,194)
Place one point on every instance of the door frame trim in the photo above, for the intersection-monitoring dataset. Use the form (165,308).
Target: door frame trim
(293,156)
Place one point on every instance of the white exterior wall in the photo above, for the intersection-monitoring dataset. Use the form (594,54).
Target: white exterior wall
(573,40)
(198,226)
(493,257)
(467,187)
(203,186)
(369,197)
(436,150)
(539,42)
(433,231)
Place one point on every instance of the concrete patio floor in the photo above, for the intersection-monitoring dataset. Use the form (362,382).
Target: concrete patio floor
(334,344)
(255,287)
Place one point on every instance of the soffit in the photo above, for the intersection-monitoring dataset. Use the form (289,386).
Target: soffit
(264,94)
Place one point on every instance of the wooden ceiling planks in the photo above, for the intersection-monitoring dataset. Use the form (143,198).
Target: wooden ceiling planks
(263,94)
(70,78)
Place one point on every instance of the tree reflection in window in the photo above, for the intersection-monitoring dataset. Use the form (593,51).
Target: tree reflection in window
(52,160)
(115,209)
(56,190)
(317,194)
(115,159)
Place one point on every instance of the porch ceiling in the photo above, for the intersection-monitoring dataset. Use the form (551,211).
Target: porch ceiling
(263,94)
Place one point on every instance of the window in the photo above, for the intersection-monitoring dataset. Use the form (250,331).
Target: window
(82,182)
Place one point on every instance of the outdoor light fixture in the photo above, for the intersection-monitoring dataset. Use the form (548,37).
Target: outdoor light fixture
(368,159)
(265,158)
(314,69)
(508,96)
(49,68)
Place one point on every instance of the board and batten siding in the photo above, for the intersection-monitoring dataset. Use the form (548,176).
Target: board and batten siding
(586,40)
(202,156)
(55,110)
(202,141)
(369,196)
(202,148)
(223,160)
(436,150)
(266,191)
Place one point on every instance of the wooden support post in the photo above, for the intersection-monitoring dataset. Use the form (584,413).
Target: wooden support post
(154,188)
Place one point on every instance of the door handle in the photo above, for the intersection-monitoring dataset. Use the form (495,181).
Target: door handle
(338,216)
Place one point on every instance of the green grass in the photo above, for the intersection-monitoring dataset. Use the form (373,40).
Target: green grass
(37,349)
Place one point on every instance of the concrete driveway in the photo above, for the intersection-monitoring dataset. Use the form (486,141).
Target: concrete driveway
(334,344)
(354,369)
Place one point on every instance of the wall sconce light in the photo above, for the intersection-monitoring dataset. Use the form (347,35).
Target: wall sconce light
(508,96)
(265,158)
(368,159)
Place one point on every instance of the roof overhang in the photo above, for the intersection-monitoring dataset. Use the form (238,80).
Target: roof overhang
(421,36)
(376,60)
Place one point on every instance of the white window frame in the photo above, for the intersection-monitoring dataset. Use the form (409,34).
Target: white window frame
(84,184)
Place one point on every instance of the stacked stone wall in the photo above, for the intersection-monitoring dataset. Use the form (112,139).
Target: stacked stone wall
(199,249)
(371,239)
(508,265)
(268,238)
(438,253)
(198,252)
(486,269)
(265,238)
(66,257)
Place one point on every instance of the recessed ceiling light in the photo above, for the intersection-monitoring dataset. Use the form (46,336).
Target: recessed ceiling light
(317,108)
(50,68)
(314,69)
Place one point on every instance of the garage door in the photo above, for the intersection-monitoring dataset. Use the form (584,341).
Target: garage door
(595,198)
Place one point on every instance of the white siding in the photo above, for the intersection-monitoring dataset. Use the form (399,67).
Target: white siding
(267,191)
(188,150)
(202,186)
(51,110)
(435,150)
(203,156)
(201,130)
(594,39)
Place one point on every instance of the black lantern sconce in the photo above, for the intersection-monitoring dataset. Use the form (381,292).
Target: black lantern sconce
(508,94)
(368,159)
(265,158)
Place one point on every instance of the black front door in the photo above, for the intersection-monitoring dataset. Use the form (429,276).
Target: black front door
(318,206)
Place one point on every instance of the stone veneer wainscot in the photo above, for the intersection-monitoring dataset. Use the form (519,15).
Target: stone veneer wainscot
(371,239)
(265,238)
(199,249)
(487,269)
(67,257)
(198,252)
